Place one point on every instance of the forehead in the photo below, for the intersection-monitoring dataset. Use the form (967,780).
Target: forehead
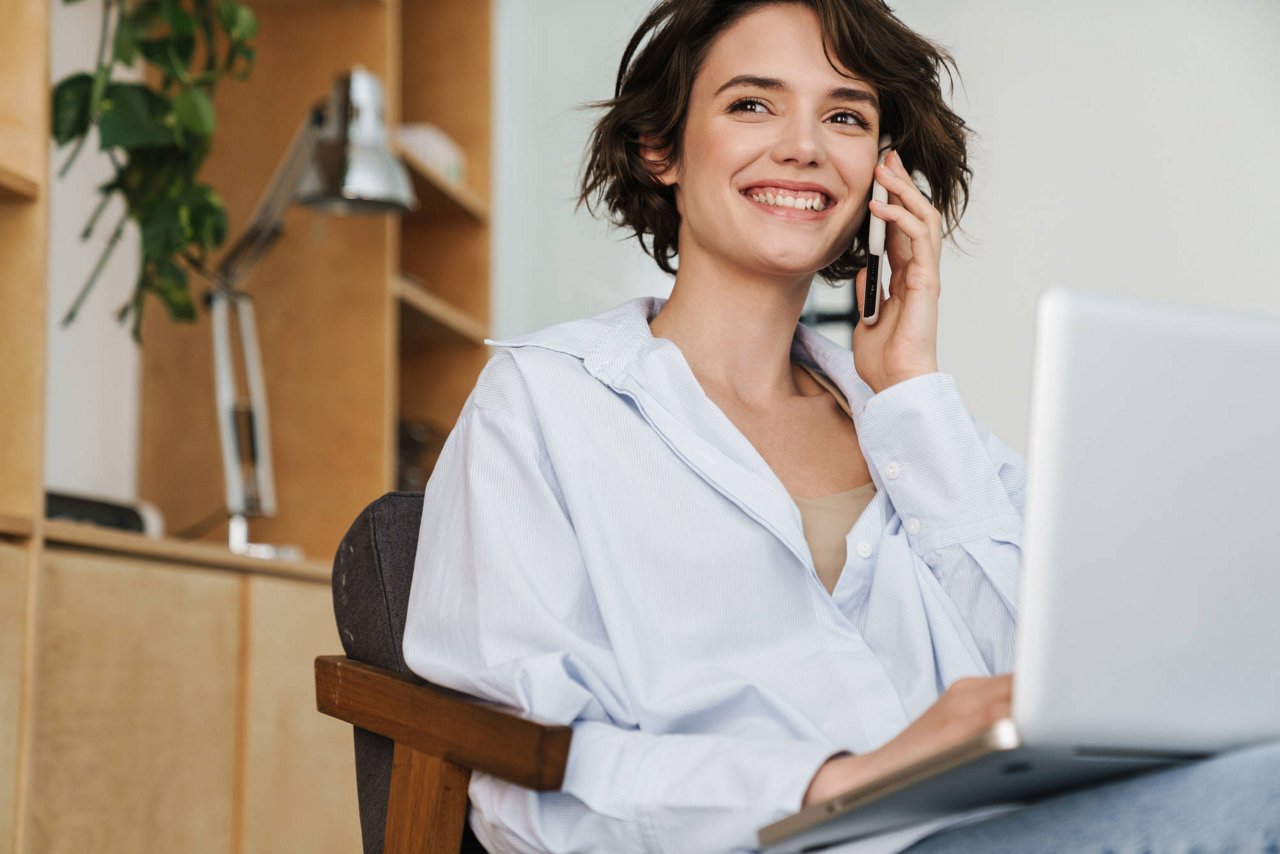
(782,41)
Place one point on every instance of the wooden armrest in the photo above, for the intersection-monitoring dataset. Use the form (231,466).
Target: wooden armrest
(438,722)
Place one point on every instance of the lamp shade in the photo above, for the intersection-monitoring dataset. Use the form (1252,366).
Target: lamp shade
(353,170)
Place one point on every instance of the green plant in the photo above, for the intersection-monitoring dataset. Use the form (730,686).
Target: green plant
(157,136)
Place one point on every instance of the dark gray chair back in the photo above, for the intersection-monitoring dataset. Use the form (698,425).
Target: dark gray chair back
(371,576)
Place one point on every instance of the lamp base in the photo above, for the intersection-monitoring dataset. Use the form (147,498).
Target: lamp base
(238,542)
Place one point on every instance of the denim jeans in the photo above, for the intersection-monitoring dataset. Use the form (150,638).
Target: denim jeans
(1230,802)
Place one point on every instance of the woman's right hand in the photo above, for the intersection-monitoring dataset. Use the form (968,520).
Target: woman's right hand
(965,710)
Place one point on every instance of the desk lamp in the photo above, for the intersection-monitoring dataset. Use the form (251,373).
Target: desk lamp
(338,162)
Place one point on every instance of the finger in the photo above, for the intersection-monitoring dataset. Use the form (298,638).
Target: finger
(907,222)
(893,176)
(897,243)
(859,288)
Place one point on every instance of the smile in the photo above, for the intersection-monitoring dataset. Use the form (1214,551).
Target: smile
(797,200)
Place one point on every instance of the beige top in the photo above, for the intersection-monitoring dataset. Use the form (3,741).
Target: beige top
(827,519)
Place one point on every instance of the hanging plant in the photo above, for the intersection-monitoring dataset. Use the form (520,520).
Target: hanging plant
(157,137)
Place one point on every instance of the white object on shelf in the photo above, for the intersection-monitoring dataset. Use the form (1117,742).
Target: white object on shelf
(435,148)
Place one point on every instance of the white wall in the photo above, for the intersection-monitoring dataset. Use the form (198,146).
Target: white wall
(91,427)
(550,263)
(1124,147)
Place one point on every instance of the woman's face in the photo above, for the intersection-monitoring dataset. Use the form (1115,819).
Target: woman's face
(779,150)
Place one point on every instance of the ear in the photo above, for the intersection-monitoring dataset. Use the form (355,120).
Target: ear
(656,161)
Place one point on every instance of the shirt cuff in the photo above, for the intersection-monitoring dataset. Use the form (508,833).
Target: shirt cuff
(925,453)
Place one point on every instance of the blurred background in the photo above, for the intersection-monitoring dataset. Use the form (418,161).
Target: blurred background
(155,687)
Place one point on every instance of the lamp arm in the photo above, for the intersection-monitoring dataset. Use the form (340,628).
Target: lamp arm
(266,224)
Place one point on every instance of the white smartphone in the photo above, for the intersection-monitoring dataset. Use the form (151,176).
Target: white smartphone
(873,288)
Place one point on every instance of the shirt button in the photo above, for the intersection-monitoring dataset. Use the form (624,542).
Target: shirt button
(892,471)
(864,549)
(913,526)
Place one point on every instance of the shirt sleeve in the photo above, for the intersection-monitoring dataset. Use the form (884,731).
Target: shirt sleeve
(958,491)
(501,607)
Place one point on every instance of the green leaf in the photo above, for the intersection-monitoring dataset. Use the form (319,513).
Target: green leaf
(71,108)
(181,24)
(238,20)
(163,231)
(169,281)
(133,116)
(124,46)
(171,54)
(245,25)
(206,215)
(194,112)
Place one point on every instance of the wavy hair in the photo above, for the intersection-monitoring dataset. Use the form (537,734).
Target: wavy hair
(651,102)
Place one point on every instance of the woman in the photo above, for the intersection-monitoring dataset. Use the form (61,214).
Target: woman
(749,568)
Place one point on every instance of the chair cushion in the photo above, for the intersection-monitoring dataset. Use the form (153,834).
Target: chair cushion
(372,572)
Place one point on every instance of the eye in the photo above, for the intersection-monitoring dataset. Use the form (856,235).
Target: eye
(748,105)
(848,117)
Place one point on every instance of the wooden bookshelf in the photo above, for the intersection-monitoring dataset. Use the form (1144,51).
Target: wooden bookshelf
(363,321)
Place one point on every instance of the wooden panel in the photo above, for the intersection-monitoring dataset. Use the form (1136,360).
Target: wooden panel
(13,586)
(300,781)
(24,156)
(183,551)
(444,723)
(24,97)
(134,707)
(324,310)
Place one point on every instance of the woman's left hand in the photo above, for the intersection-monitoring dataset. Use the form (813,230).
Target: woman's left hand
(903,343)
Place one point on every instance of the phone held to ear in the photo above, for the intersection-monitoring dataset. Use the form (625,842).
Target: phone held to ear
(872,287)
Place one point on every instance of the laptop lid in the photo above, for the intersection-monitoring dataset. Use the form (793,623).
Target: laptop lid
(1150,597)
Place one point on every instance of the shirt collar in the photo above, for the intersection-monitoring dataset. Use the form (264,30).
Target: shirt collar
(618,348)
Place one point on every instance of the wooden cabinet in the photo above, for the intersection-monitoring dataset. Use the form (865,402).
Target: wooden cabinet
(300,772)
(174,708)
(363,322)
(134,738)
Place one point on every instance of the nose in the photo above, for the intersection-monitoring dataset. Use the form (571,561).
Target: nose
(799,142)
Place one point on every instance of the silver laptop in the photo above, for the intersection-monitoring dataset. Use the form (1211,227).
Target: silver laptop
(1149,610)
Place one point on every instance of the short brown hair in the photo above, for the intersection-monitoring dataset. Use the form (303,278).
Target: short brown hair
(651,101)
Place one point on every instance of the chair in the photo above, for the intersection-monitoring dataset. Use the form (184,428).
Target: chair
(416,744)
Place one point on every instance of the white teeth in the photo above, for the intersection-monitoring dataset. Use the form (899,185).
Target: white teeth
(817,202)
(805,203)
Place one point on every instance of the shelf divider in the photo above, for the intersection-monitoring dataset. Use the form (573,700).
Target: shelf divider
(14,186)
(434,188)
(415,296)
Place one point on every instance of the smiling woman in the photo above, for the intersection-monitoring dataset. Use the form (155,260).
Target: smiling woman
(745,564)
(738,559)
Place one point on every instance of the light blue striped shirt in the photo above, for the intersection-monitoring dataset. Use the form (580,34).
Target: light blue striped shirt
(601,546)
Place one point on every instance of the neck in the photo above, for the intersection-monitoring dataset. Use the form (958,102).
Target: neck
(735,329)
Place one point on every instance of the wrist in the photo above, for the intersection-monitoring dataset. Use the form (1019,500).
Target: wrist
(890,380)
(838,774)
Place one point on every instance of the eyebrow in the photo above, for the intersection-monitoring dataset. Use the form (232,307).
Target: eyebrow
(840,93)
